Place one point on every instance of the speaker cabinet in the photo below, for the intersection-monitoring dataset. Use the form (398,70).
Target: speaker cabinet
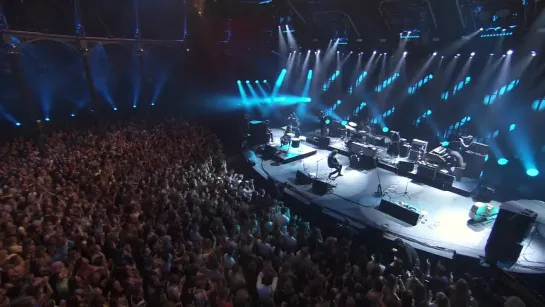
(320,187)
(405,166)
(323,142)
(426,172)
(513,224)
(257,131)
(302,178)
(403,213)
(367,162)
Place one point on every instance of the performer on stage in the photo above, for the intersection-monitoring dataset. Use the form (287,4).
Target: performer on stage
(456,149)
(293,120)
(333,163)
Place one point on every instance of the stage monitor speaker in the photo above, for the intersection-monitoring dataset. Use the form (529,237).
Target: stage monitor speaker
(501,253)
(367,162)
(403,213)
(405,166)
(320,187)
(302,178)
(323,142)
(355,161)
(513,223)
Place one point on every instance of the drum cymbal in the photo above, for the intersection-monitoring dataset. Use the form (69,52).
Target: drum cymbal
(350,128)
(352,124)
(290,134)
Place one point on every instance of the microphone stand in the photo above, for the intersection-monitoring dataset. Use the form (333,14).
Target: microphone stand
(379,192)
(317,162)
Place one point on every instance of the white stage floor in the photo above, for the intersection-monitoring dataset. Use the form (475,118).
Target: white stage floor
(442,230)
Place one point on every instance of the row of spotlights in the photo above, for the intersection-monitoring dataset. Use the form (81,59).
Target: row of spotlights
(509,52)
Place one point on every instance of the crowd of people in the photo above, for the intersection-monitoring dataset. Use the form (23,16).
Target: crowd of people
(141,214)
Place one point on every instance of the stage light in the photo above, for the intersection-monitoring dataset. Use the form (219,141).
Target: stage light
(503,55)
(374,52)
(47,119)
(405,53)
(18,124)
(328,121)
(73,115)
(385,129)
(442,57)
(337,51)
(502,161)
(385,53)
(473,53)
(435,53)
(318,51)
(308,51)
(481,29)
(247,81)
(445,144)
(457,54)
(491,54)
(153,103)
(187,50)
(534,53)
(238,81)
(256,81)
(532,172)
(509,52)
(134,106)
(115,109)
(344,123)
(264,81)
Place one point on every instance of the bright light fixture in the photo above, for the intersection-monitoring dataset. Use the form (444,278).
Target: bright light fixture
(509,52)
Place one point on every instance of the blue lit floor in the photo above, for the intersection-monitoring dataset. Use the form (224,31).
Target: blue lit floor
(444,226)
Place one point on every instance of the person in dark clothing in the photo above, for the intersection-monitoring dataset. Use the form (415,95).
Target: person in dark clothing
(333,163)
(406,253)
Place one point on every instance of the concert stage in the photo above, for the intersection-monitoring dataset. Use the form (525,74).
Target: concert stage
(444,229)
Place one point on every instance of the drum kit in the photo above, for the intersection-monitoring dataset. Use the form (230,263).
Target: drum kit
(353,134)
(291,141)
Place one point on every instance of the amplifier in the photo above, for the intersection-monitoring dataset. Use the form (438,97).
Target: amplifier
(400,211)
(425,171)
(445,178)
(479,148)
(369,151)
(404,150)
(355,147)
(405,166)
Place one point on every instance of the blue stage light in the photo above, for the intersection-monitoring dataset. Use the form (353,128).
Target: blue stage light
(134,106)
(503,161)
(247,81)
(153,103)
(47,119)
(264,81)
(445,144)
(238,81)
(18,124)
(115,109)
(344,123)
(339,102)
(256,81)
(73,115)
(385,129)
(328,121)
(509,52)
(532,172)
